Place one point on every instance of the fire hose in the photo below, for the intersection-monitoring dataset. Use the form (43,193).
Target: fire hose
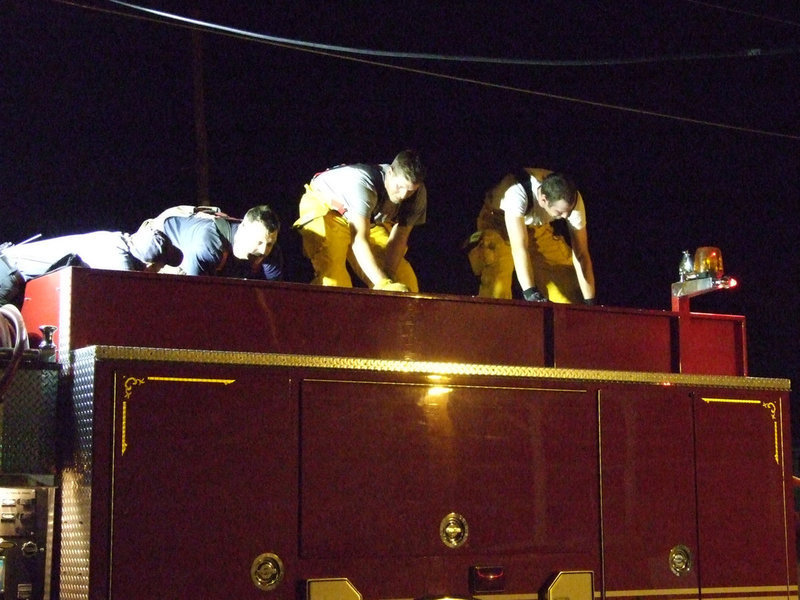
(14,335)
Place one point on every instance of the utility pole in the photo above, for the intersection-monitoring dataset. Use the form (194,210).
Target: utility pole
(200,130)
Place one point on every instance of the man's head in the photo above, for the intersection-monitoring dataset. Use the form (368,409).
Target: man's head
(405,175)
(257,234)
(558,195)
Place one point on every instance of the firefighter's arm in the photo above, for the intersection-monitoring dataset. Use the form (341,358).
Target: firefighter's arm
(359,227)
(582,261)
(396,247)
(518,238)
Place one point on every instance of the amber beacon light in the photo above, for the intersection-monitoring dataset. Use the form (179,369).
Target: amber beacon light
(700,274)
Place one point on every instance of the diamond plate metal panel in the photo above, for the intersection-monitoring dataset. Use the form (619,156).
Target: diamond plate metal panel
(76,478)
(28,422)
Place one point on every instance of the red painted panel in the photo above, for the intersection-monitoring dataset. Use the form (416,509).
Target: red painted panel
(382,465)
(171,311)
(204,480)
(743,464)
(613,339)
(349,474)
(712,344)
(648,499)
(41,305)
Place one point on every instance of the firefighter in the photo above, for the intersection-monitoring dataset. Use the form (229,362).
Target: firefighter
(362,215)
(213,243)
(533,223)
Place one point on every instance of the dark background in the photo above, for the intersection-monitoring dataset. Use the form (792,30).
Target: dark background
(97,129)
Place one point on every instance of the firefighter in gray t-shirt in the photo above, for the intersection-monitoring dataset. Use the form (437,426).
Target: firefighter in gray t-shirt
(362,215)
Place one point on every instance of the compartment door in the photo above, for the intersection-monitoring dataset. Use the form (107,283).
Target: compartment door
(383,465)
(204,480)
(743,463)
(649,515)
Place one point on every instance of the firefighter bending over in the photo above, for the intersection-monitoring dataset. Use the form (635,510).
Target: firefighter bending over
(362,215)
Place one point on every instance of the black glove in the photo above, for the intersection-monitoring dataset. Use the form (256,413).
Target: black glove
(532,294)
(590,301)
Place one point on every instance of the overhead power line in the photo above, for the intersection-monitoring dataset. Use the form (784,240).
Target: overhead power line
(345,53)
(537,62)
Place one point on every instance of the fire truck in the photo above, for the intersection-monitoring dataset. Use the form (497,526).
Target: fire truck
(225,438)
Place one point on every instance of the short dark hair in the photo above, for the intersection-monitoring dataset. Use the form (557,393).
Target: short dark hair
(265,215)
(409,165)
(557,186)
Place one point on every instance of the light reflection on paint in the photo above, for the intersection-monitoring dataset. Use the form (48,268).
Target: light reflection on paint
(437,390)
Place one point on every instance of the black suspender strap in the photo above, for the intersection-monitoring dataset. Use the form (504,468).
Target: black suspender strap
(524,178)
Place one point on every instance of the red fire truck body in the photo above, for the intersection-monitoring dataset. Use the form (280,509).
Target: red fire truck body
(235,439)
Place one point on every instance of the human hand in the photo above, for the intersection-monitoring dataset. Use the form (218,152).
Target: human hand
(387,285)
(532,294)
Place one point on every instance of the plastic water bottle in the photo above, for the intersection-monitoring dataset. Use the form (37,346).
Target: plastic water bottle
(686,266)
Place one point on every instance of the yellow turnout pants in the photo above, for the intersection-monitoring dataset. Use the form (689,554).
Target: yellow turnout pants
(327,243)
(551,257)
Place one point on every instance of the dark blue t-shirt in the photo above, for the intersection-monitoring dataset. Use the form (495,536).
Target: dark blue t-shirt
(204,246)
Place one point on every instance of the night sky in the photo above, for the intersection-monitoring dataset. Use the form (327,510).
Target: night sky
(98,127)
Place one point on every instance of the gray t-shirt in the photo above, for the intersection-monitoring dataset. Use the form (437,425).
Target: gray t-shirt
(359,189)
